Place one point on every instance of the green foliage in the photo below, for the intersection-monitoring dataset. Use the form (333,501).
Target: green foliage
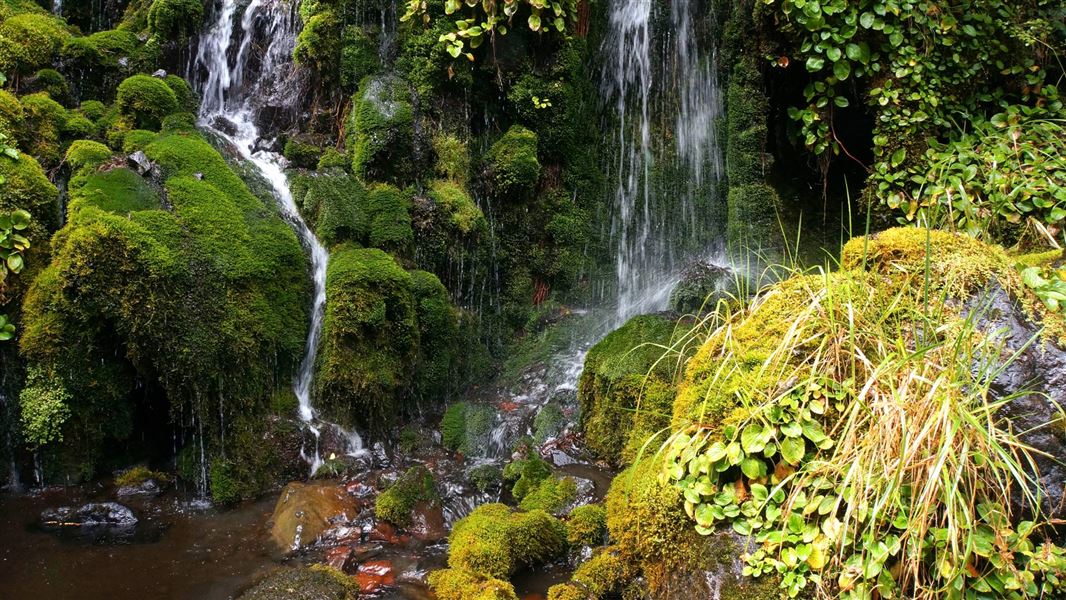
(475,23)
(138,475)
(587,526)
(45,406)
(146,100)
(462,212)
(494,542)
(460,584)
(29,41)
(381,131)
(513,165)
(13,244)
(465,427)
(1048,285)
(175,19)
(396,503)
(453,158)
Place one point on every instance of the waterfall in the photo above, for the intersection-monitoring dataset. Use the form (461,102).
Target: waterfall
(658,85)
(236,76)
(57,7)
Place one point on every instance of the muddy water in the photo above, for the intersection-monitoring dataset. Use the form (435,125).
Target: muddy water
(176,551)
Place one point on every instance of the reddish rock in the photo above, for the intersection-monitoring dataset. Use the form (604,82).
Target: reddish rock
(384,532)
(374,575)
(507,406)
(340,558)
(359,489)
(427,520)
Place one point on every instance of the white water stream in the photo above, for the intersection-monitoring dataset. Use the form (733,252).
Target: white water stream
(230,90)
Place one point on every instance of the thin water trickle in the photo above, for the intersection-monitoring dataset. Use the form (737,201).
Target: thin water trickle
(57,7)
(230,91)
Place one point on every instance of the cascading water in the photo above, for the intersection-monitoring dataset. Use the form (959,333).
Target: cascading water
(57,7)
(235,74)
(660,85)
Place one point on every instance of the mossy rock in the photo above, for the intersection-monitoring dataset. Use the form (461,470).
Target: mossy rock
(493,541)
(381,131)
(587,526)
(552,495)
(396,504)
(512,164)
(388,213)
(438,330)
(626,390)
(526,475)
(317,582)
(29,41)
(302,155)
(460,584)
(604,574)
(465,427)
(10,114)
(461,212)
(370,337)
(146,100)
(44,124)
(175,19)
(334,204)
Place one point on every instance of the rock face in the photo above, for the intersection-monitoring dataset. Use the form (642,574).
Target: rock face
(702,285)
(1039,370)
(304,511)
(93,514)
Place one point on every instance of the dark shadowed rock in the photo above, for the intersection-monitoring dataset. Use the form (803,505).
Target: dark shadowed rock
(702,284)
(93,514)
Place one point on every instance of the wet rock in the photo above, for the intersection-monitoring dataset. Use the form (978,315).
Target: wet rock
(702,285)
(358,489)
(93,514)
(381,457)
(1040,369)
(304,583)
(224,125)
(148,487)
(586,494)
(372,576)
(304,511)
(139,162)
(427,522)
(384,532)
(161,74)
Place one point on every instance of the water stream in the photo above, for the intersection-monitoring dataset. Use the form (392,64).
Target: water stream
(235,73)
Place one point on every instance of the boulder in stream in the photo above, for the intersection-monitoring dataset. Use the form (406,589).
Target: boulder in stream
(304,511)
(92,514)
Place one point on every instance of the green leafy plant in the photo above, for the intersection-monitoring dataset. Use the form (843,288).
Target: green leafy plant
(478,20)
(12,243)
(1048,285)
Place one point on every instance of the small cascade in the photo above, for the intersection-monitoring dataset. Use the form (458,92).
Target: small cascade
(660,85)
(238,77)
(57,7)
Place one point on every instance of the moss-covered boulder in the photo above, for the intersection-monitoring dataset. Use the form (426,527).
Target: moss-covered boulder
(175,19)
(381,131)
(397,503)
(493,541)
(29,41)
(146,100)
(44,125)
(196,289)
(626,390)
(370,337)
(317,582)
(465,427)
(334,204)
(388,211)
(512,164)
(460,584)
(437,371)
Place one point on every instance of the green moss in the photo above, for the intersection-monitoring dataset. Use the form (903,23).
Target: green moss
(494,542)
(331,159)
(29,41)
(120,191)
(138,139)
(302,155)
(587,526)
(86,153)
(369,337)
(603,574)
(52,83)
(334,204)
(359,57)
(438,329)
(10,114)
(381,131)
(459,584)
(526,474)
(180,122)
(138,475)
(453,158)
(318,44)
(548,423)
(626,390)
(175,19)
(566,591)
(146,100)
(485,478)
(93,110)
(460,209)
(396,503)
(388,212)
(550,495)
(44,121)
(317,582)
(182,93)
(465,427)
(512,162)
(77,126)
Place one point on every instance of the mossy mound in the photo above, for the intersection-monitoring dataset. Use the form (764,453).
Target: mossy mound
(198,290)
(29,41)
(462,213)
(551,495)
(175,20)
(146,100)
(44,124)
(627,389)
(389,216)
(459,584)
(317,582)
(465,427)
(512,164)
(381,131)
(414,486)
(587,526)
(334,204)
(526,474)
(493,541)
(26,187)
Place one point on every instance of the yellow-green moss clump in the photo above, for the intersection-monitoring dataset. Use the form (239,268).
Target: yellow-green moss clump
(145,100)
(29,41)
(201,299)
(586,526)
(627,388)
(459,584)
(396,503)
(317,582)
(493,541)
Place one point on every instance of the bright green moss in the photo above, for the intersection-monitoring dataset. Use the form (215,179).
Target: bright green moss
(526,474)
(369,337)
(146,100)
(44,121)
(84,156)
(179,122)
(459,584)
(138,139)
(381,131)
(359,57)
(550,495)
(52,83)
(438,329)
(175,19)
(10,114)
(461,211)
(388,211)
(120,191)
(93,110)
(466,426)
(494,542)
(182,93)
(396,503)
(626,390)
(453,158)
(587,526)
(331,159)
(77,126)
(513,164)
(302,155)
(334,204)
(29,41)
(318,44)
(603,574)
(566,591)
